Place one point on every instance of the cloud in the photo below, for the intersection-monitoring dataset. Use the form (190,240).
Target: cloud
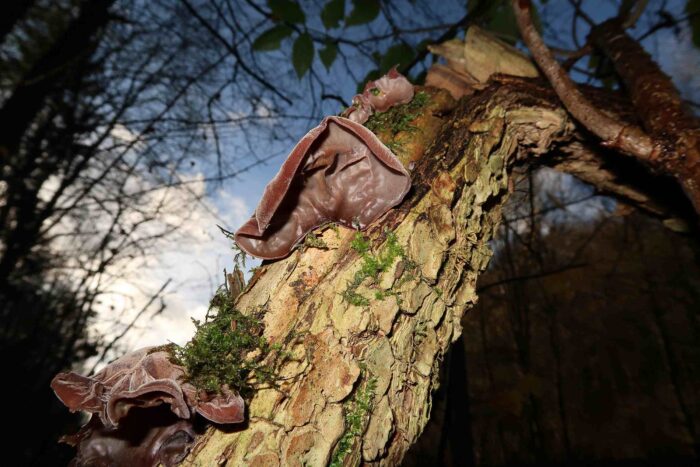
(191,261)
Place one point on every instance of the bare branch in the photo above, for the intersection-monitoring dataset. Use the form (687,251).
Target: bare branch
(627,138)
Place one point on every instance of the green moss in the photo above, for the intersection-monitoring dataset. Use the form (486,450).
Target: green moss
(228,348)
(313,241)
(359,243)
(372,265)
(382,294)
(334,227)
(356,411)
(399,117)
(394,146)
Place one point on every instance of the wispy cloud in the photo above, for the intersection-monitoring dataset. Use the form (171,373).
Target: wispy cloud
(192,259)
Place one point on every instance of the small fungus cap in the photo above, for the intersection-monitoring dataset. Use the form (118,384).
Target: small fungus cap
(379,96)
(391,89)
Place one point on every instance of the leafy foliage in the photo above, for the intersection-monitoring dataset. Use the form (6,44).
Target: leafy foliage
(272,38)
(333,13)
(398,55)
(302,54)
(287,10)
(500,19)
(363,12)
(328,54)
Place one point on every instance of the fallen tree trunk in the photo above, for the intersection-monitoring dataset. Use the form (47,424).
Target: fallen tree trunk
(357,385)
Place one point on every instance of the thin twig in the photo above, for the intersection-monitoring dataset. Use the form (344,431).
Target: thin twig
(629,139)
(117,338)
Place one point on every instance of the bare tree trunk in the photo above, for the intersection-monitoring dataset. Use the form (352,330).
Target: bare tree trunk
(358,388)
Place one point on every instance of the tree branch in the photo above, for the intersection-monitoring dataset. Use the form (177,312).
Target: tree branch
(629,139)
(234,51)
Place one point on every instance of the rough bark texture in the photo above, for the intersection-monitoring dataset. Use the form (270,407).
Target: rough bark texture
(389,351)
(628,139)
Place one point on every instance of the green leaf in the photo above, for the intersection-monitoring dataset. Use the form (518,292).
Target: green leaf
(328,54)
(302,54)
(693,8)
(272,38)
(332,13)
(287,10)
(398,55)
(363,12)
(372,75)
(502,22)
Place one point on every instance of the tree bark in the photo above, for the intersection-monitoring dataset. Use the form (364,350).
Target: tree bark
(390,351)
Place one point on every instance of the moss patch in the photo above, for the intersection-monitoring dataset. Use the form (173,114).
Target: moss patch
(400,117)
(372,265)
(228,348)
(314,241)
(409,129)
(356,411)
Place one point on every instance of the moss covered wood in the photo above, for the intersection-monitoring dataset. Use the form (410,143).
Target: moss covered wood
(400,338)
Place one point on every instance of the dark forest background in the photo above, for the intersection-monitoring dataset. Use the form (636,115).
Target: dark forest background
(585,345)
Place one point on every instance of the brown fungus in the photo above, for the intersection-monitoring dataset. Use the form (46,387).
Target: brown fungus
(339,171)
(380,95)
(146,438)
(144,378)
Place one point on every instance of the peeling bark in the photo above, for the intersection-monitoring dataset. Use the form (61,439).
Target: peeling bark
(398,342)
(625,178)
